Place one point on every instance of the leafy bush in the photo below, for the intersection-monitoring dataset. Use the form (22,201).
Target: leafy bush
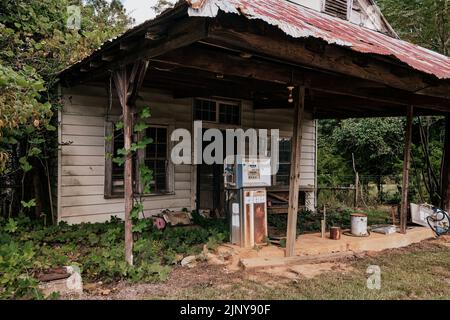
(27,248)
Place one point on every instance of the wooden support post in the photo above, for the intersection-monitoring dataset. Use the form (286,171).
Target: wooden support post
(294,182)
(128,182)
(356,181)
(406,166)
(356,190)
(445,194)
(127,86)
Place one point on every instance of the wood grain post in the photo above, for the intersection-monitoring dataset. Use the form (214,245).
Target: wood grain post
(445,193)
(128,182)
(406,167)
(127,86)
(294,182)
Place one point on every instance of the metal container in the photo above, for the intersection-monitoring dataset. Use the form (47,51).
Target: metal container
(359,224)
(335,233)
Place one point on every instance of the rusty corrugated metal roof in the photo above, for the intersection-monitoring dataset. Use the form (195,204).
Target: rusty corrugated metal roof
(301,22)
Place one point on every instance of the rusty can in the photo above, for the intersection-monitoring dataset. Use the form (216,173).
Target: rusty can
(335,233)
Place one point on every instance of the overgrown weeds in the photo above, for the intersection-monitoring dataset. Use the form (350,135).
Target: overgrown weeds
(27,248)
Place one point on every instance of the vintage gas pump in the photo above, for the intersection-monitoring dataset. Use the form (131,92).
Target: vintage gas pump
(245,187)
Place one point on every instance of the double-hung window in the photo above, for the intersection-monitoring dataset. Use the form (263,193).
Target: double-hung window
(155,156)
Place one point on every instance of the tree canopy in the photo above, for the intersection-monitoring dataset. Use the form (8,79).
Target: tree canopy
(423,22)
(35,44)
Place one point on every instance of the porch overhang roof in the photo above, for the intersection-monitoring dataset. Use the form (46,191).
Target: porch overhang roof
(260,46)
(301,22)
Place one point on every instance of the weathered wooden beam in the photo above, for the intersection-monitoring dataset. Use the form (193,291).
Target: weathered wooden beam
(179,34)
(121,80)
(406,167)
(445,194)
(127,85)
(294,182)
(239,34)
(217,61)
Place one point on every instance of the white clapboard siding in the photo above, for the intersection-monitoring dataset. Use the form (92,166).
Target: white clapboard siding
(71,201)
(83,120)
(83,150)
(75,140)
(82,161)
(81,130)
(119,207)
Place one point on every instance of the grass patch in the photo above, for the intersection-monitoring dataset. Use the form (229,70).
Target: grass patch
(422,272)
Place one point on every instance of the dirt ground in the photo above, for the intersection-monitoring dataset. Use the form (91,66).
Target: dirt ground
(420,271)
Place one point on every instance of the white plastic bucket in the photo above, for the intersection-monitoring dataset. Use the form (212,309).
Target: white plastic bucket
(359,224)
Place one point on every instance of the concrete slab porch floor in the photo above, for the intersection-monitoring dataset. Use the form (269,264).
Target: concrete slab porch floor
(309,245)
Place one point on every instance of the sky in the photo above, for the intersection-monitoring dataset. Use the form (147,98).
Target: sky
(140,10)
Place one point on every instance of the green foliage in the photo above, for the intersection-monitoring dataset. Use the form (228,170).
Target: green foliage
(11,226)
(424,22)
(377,143)
(162,5)
(29,204)
(16,264)
(35,44)
(27,248)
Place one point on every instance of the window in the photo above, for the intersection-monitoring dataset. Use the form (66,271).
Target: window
(217,111)
(284,170)
(154,156)
(205,110)
(338,8)
(229,113)
(117,170)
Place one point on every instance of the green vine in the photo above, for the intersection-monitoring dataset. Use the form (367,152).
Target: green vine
(140,224)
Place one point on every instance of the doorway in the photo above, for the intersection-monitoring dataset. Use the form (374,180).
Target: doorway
(210,185)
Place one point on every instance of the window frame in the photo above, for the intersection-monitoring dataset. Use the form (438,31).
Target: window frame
(138,160)
(170,169)
(274,177)
(218,102)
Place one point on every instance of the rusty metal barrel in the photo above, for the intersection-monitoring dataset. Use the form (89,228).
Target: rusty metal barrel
(335,233)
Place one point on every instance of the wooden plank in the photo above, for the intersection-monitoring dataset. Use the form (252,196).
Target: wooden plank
(406,168)
(109,150)
(228,63)
(83,170)
(151,202)
(68,129)
(182,185)
(83,120)
(74,109)
(270,262)
(81,190)
(82,180)
(82,160)
(83,150)
(179,33)
(122,83)
(118,206)
(76,140)
(236,33)
(294,183)
(445,194)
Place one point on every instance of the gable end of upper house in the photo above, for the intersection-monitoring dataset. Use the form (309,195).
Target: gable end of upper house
(364,13)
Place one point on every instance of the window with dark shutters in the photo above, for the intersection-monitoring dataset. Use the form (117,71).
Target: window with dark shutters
(338,8)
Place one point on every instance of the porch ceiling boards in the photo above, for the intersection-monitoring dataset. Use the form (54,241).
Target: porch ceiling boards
(254,49)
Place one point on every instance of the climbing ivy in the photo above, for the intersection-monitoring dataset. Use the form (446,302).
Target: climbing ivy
(146,174)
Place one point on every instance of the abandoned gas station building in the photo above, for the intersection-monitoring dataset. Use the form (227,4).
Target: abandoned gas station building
(235,64)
